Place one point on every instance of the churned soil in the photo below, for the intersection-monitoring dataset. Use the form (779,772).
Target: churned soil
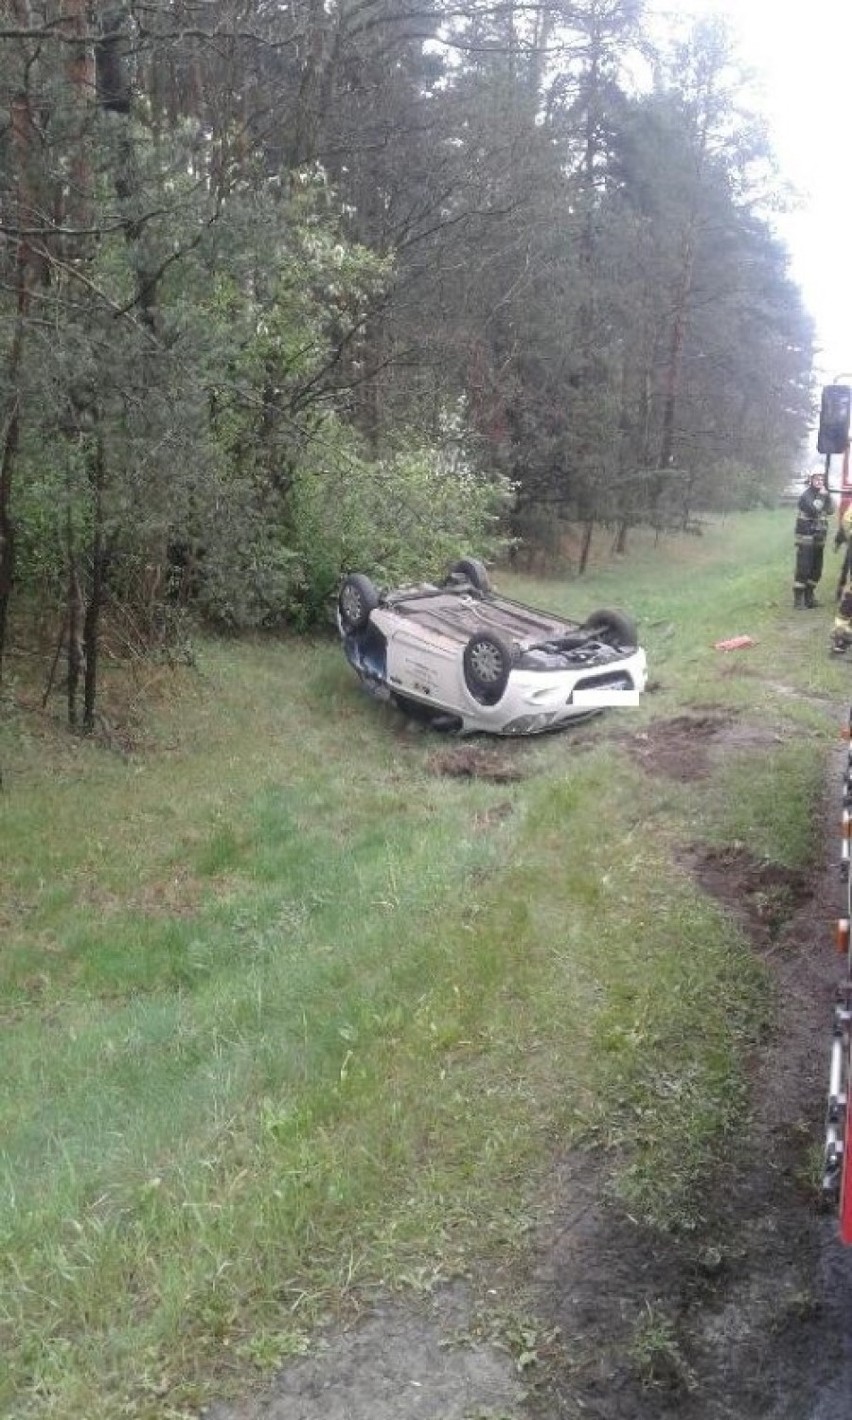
(750,1319)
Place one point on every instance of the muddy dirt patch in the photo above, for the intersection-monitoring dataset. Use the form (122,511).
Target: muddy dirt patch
(402,1362)
(687,746)
(763,896)
(474,762)
(678,748)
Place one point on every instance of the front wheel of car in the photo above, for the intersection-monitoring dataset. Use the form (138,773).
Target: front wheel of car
(487,663)
(357,599)
(473,571)
(614,627)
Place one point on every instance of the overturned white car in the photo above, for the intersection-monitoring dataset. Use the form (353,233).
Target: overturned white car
(471,661)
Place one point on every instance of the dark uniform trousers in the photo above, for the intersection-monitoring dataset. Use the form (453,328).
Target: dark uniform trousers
(811,530)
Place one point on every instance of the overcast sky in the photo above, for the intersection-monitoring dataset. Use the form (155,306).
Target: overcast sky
(803,57)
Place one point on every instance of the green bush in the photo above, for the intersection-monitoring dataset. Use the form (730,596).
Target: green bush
(399,518)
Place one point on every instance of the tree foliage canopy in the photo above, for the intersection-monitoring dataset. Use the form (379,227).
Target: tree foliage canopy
(289,289)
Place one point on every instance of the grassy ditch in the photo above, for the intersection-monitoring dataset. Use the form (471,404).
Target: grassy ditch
(290,1012)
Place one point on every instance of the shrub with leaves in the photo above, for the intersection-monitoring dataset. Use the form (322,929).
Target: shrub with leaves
(398,518)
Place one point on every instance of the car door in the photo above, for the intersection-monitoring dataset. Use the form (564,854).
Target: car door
(423,662)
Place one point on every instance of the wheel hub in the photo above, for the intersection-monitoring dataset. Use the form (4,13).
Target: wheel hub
(487,663)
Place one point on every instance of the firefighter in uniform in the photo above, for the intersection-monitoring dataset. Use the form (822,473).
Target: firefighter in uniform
(841,636)
(812,514)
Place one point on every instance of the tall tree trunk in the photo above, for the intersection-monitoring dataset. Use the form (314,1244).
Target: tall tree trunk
(678,336)
(7,526)
(75,607)
(312,88)
(586,546)
(22,134)
(97,590)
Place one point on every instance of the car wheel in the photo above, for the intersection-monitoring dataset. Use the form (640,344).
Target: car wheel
(357,599)
(487,662)
(473,571)
(615,627)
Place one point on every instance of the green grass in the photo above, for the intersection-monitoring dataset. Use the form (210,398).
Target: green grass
(287,1014)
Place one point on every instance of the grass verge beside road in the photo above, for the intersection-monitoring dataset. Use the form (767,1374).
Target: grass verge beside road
(288,1014)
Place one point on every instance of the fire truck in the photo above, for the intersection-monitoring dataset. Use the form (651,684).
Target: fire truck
(837,1159)
(833,441)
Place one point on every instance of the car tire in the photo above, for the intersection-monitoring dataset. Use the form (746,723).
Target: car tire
(356,600)
(615,627)
(487,662)
(473,571)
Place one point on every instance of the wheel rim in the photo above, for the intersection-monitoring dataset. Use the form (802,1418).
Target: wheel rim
(487,662)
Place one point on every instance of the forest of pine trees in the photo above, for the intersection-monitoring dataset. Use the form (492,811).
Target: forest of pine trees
(291,288)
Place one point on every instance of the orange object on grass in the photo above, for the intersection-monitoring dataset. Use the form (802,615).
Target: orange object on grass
(735,643)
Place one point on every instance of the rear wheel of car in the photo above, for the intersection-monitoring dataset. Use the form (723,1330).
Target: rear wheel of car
(473,571)
(357,599)
(487,663)
(614,627)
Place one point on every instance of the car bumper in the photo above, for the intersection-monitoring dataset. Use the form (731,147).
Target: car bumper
(535,702)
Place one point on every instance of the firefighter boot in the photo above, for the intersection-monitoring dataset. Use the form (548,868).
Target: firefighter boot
(798,598)
(810,599)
